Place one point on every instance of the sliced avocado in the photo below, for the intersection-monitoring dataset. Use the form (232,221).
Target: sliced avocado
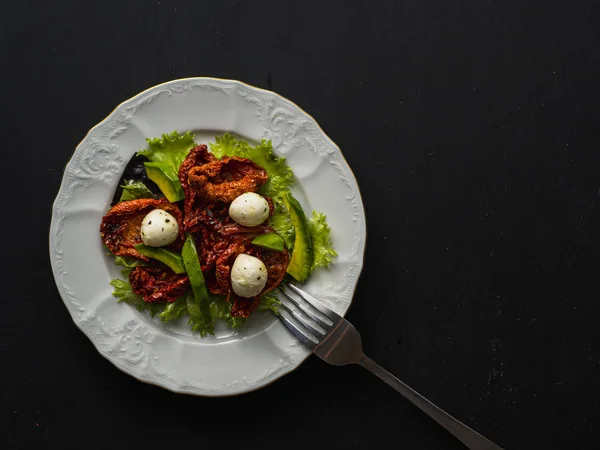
(166,179)
(303,255)
(272,241)
(171,259)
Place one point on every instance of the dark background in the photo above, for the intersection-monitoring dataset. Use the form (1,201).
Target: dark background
(475,120)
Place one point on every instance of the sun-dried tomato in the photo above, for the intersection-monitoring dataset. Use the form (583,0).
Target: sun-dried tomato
(234,229)
(211,246)
(271,205)
(243,307)
(193,205)
(226,179)
(120,227)
(198,156)
(276,263)
(158,284)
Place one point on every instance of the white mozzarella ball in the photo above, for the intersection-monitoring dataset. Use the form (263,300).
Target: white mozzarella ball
(248,276)
(159,228)
(249,209)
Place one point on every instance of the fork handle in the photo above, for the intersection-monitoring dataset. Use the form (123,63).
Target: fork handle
(459,430)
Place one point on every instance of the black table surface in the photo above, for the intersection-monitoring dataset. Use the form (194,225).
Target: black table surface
(475,121)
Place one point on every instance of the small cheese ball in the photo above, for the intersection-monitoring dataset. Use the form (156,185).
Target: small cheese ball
(159,228)
(249,209)
(248,276)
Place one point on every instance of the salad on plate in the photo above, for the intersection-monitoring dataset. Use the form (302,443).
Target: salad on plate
(210,232)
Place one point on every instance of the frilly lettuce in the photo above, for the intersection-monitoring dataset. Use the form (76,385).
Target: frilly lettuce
(220,309)
(128,264)
(124,294)
(322,245)
(269,302)
(171,148)
(197,321)
(174,310)
(226,145)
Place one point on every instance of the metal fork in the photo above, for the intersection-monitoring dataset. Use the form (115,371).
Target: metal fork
(335,340)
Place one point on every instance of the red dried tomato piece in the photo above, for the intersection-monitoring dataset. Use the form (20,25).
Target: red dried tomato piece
(226,179)
(236,230)
(203,221)
(211,247)
(243,307)
(158,284)
(198,156)
(276,263)
(120,227)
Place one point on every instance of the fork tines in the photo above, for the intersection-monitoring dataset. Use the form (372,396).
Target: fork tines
(304,316)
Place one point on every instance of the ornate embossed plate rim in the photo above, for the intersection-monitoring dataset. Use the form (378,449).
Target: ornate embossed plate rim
(142,363)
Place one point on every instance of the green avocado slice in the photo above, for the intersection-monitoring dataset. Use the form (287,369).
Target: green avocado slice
(271,241)
(166,179)
(303,254)
(171,259)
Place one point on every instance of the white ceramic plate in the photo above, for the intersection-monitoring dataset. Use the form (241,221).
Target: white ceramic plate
(169,355)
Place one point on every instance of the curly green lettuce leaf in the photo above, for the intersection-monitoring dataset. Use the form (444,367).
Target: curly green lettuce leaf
(133,190)
(281,176)
(196,321)
(269,302)
(128,264)
(227,145)
(122,290)
(234,322)
(170,149)
(321,241)
(221,309)
(174,310)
